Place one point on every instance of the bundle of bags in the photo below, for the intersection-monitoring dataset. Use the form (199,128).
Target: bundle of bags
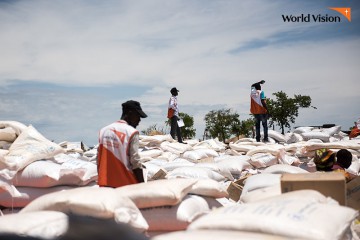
(186,194)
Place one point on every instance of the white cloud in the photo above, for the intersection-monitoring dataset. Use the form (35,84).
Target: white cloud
(211,50)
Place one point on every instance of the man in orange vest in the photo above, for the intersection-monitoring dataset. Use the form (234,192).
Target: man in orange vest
(118,159)
(259,109)
(173,115)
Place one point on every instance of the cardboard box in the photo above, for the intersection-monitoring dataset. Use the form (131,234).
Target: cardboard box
(234,191)
(330,184)
(353,193)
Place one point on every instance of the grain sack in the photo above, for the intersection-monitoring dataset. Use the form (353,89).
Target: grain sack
(335,145)
(41,224)
(332,131)
(197,154)
(151,169)
(150,153)
(24,195)
(16,126)
(157,193)
(355,166)
(178,217)
(300,130)
(290,138)
(285,158)
(175,147)
(234,164)
(3,152)
(260,194)
(7,134)
(209,188)
(261,160)
(216,235)
(168,156)
(272,149)
(195,173)
(316,135)
(89,201)
(154,141)
(276,136)
(283,168)
(214,144)
(30,146)
(48,174)
(224,171)
(241,147)
(177,163)
(260,181)
(290,218)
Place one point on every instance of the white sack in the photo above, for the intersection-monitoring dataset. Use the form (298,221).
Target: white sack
(332,131)
(175,147)
(260,194)
(24,195)
(261,160)
(210,234)
(195,173)
(209,188)
(276,135)
(300,130)
(283,168)
(7,134)
(198,154)
(260,181)
(290,217)
(177,163)
(178,217)
(41,224)
(158,192)
(316,135)
(48,174)
(30,146)
(17,126)
(90,201)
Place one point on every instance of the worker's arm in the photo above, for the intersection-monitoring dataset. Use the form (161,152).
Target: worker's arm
(135,158)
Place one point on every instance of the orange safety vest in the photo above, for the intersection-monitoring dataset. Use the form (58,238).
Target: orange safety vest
(114,168)
(256,106)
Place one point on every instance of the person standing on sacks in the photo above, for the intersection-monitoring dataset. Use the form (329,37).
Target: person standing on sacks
(173,115)
(118,159)
(259,109)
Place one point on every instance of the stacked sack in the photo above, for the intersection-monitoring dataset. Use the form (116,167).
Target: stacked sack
(31,166)
(186,189)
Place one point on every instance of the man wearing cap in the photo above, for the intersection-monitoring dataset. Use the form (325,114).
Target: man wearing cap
(259,109)
(118,158)
(173,115)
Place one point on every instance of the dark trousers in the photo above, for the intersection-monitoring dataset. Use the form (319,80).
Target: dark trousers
(175,129)
(263,119)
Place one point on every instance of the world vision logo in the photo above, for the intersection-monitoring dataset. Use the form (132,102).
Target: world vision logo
(346,12)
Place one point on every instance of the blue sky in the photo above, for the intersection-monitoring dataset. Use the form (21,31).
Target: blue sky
(66,66)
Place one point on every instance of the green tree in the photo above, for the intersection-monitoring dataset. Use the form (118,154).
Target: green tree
(222,124)
(246,127)
(187,131)
(284,110)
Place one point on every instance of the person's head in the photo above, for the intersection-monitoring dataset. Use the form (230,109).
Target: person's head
(132,113)
(324,160)
(257,86)
(344,158)
(174,91)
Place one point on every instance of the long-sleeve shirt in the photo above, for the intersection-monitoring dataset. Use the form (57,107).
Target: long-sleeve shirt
(173,104)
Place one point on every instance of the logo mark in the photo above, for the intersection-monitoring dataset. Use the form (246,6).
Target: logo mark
(346,12)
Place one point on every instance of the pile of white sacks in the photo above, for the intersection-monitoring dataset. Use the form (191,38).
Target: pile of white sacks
(185,196)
